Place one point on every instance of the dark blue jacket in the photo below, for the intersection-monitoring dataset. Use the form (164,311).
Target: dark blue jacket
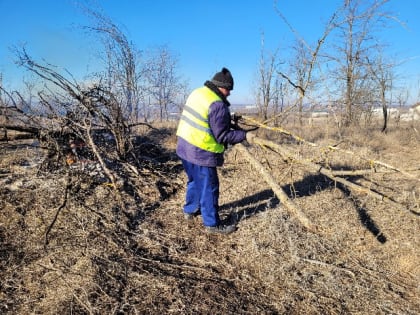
(220,125)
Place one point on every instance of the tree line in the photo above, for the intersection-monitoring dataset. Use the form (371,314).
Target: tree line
(345,70)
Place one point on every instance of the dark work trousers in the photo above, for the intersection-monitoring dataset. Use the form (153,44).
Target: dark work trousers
(202,192)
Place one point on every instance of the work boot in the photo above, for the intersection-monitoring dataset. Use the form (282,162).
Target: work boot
(190,216)
(221,229)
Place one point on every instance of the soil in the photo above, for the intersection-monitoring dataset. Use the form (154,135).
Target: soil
(72,243)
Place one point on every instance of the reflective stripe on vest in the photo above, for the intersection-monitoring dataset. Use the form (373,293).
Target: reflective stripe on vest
(194,125)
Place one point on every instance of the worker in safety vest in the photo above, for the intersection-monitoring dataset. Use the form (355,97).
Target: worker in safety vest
(204,131)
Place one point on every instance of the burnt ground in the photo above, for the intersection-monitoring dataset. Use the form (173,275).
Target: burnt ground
(70,244)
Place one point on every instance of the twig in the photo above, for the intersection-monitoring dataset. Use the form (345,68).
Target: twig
(321,263)
(64,203)
(274,117)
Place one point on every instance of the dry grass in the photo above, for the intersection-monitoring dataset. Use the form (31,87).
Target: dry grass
(134,254)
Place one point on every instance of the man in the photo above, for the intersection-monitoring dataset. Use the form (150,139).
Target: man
(204,131)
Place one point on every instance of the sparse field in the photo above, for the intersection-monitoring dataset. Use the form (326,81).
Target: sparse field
(70,245)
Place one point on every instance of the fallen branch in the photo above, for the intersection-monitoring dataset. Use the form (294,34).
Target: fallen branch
(326,172)
(356,172)
(279,129)
(330,147)
(101,161)
(287,202)
(30,132)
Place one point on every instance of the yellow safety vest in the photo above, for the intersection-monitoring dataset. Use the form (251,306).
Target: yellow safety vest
(194,125)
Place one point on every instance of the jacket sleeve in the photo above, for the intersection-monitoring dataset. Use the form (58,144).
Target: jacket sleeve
(220,125)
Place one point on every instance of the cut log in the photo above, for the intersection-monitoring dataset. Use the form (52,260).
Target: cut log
(26,129)
(286,201)
(24,132)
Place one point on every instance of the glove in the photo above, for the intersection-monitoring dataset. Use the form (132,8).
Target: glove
(250,137)
(235,117)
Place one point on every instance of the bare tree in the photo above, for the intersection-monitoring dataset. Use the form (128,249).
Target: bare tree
(267,81)
(300,68)
(278,99)
(182,95)
(402,97)
(121,58)
(163,83)
(305,60)
(357,28)
(355,23)
(383,74)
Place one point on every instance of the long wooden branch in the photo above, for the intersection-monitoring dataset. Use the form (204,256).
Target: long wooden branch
(287,202)
(28,129)
(328,173)
(95,151)
(278,129)
(330,147)
(359,172)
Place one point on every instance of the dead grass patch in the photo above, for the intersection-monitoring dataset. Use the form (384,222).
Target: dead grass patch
(134,253)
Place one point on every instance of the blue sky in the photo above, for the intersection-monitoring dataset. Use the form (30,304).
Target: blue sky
(206,35)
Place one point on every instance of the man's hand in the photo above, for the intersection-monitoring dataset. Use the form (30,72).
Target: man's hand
(235,117)
(250,137)
(234,121)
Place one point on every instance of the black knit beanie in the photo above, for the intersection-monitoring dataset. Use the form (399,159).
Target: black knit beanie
(223,79)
